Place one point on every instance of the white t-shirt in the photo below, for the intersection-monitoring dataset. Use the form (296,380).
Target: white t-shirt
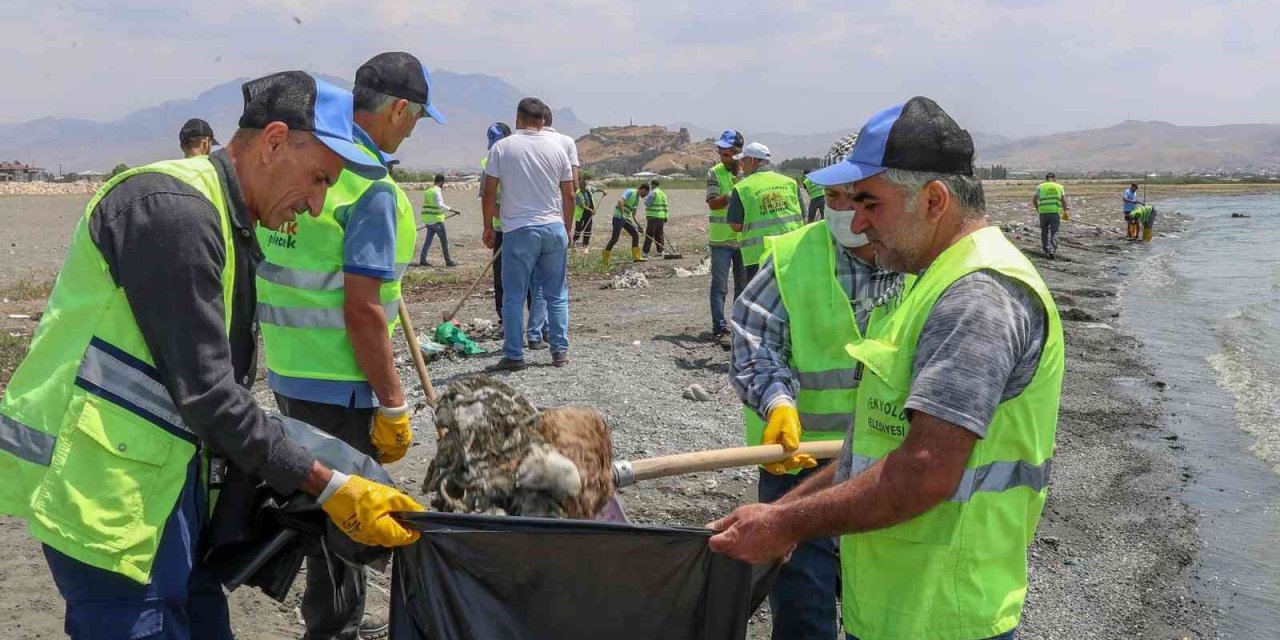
(529,166)
(570,147)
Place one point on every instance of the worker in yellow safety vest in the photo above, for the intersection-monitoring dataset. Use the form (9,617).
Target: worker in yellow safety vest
(116,429)
(818,290)
(328,304)
(1050,202)
(948,462)
(763,203)
(726,259)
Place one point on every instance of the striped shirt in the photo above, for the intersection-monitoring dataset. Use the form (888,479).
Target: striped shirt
(758,368)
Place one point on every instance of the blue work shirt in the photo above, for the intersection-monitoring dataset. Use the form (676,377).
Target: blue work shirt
(368,249)
(1130,199)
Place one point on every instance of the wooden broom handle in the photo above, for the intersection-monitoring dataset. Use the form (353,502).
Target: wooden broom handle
(411,337)
(630,472)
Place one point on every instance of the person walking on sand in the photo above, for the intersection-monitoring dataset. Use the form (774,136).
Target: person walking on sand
(948,461)
(536,177)
(1050,202)
(433,214)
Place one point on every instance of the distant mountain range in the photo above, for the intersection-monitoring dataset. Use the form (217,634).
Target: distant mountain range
(1141,146)
(470,102)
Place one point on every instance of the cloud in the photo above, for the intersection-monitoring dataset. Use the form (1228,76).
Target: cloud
(1005,66)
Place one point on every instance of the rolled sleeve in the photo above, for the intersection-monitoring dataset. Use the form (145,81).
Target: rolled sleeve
(167,254)
(369,241)
(758,369)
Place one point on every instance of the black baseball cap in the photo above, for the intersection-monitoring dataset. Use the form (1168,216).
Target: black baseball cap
(196,128)
(307,103)
(914,136)
(399,74)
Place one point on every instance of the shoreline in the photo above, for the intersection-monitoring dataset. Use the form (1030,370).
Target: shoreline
(1115,552)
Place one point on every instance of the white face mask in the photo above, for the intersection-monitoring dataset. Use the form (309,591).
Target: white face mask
(839,222)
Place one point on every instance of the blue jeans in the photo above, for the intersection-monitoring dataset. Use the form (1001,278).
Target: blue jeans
(184,601)
(538,327)
(1004,636)
(804,597)
(535,253)
(433,230)
(724,261)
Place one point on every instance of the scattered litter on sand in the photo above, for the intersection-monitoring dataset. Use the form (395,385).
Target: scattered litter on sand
(697,393)
(627,280)
(703,268)
(683,273)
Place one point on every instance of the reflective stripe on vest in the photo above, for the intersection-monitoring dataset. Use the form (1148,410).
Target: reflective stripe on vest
(960,568)
(431,212)
(1001,475)
(719,233)
(771,206)
(308,318)
(25,442)
(301,292)
(93,450)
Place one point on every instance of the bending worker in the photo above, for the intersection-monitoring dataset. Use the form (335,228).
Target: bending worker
(726,259)
(328,296)
(623,213)
(433,215)
(1144,216)
(764,203)
(948,462)
(1050,201)
(137,381)
(817,291)
(656,212)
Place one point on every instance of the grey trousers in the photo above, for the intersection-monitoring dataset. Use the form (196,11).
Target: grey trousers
(333,598)
(1049,223)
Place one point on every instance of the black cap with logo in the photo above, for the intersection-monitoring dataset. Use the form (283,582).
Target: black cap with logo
(195,128)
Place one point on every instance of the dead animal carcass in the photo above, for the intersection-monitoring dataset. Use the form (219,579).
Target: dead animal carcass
(499,455)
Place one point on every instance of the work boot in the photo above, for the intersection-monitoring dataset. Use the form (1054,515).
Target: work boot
(560,359)
(423,263)
(372,628)
(537,345)
(636,257)
(604,257)
(507,364)
(450,263)
(724,339)
(1146,235)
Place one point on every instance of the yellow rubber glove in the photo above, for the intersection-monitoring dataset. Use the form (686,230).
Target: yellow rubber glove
(363,510)
(391,433)
(784,429)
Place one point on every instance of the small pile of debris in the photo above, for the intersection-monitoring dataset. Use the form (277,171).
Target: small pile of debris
(703,268)
(499,455)
(627,280)
(482,329)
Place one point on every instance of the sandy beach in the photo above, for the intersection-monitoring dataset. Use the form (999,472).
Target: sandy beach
(1114,553)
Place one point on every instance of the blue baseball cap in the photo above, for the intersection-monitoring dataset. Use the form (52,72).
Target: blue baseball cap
(402,75)
(307,103)
(916,135)
(496,132)
(730,139)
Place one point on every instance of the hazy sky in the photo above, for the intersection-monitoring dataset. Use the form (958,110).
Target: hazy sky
(1013,67)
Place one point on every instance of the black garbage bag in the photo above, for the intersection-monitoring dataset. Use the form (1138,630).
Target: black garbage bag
(473,577)
(260,538)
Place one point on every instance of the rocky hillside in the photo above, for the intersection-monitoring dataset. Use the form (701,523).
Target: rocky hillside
(656,148)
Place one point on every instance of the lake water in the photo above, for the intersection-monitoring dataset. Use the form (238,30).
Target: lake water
(1207,306)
